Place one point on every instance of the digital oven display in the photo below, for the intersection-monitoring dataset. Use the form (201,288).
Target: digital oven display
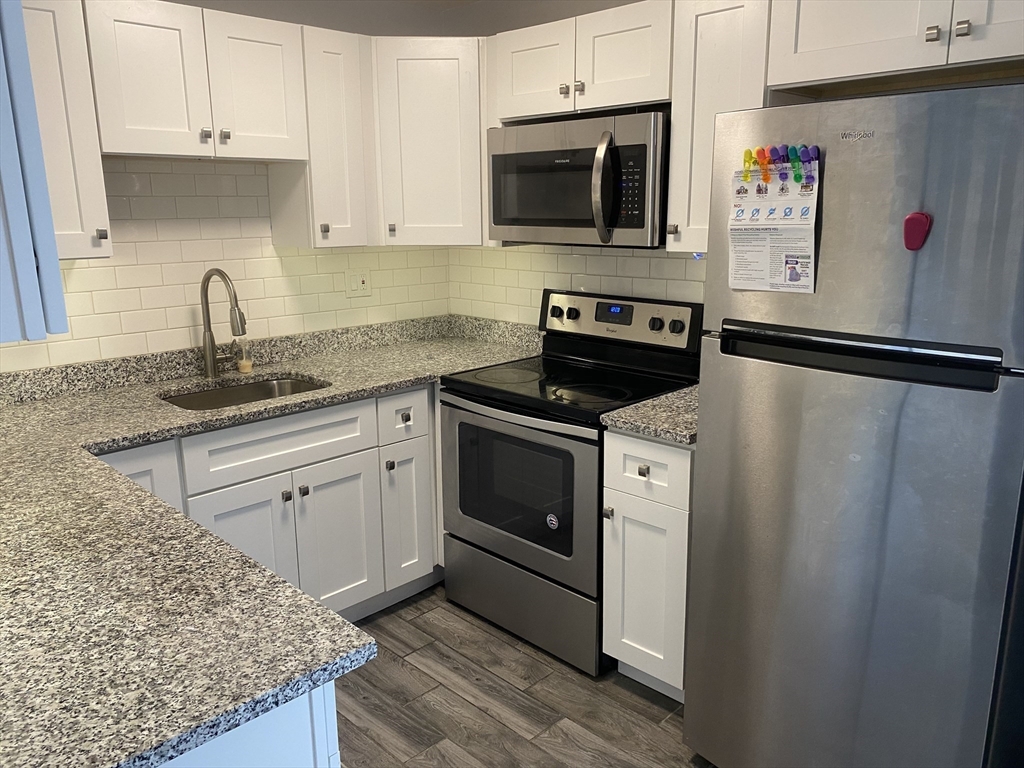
(619,314)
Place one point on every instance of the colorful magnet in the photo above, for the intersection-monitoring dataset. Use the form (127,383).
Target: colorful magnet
(748,162)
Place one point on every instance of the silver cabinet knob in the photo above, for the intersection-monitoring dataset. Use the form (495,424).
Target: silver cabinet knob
(392,229)
(644,470)
(325,229)
(563,88)
(932,33)
(406,417)
(962,28)
(225,134)
(578,86)
(389,465)
(101,234)
(672,229)
(286,495)
(303,490)
(608,513)
(206,133)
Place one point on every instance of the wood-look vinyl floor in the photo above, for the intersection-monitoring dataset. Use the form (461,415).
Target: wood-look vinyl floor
(450,690)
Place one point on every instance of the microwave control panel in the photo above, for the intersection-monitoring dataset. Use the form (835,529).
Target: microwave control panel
(630,199)
(663,323)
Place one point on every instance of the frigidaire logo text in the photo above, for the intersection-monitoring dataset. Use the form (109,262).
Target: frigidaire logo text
(856,135)
(562,160)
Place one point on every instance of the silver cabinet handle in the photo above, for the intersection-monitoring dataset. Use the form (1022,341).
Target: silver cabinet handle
(671,229)
(303,490)
(389,465)
(392,229)
(563,89)
(608,513)
(206,133)
(644,470)
(225,133)
(406,417)
(962,28)
(325,229)
(101,234)
(931,34)
(286,495)
(578,86)
(602,160)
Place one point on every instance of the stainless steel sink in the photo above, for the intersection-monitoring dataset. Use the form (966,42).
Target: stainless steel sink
(237,394)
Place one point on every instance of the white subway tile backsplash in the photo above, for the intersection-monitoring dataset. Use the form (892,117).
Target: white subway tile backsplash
(164,252)
(251,186)
(173,184)
(239,206)
(163,296)
(219,229)
(143,320)
(122,300)
(217,184)
(178,229)
(87,326)
(138,276)
(128,184)
(153,208)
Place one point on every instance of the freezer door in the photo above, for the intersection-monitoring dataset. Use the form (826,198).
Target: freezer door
(850,551)
(956,155)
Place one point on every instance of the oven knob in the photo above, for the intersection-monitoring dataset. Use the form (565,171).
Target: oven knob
(656,324)
(572,313)
(677,326)
(556,311)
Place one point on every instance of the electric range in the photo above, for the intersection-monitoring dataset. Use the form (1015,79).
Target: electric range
(521,462)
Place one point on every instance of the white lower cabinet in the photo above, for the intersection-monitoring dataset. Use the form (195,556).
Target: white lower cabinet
(257,518)
(338,528)
(408,514)
(645,553)
(154,467)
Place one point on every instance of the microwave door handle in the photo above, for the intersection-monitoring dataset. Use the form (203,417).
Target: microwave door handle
(597,176)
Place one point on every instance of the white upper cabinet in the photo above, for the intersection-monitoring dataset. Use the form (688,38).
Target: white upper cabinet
(535,70)
(429,117)
(816,40)
(623,55)
(149,70)
(986,29)
(256,86)
(718,66)
(59,58)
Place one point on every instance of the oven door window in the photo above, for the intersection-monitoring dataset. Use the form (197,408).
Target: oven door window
(521,487)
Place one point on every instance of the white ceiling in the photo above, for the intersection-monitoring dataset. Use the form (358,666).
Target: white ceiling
(433,18)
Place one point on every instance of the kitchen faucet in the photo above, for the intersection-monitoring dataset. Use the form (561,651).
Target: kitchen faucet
(210,356)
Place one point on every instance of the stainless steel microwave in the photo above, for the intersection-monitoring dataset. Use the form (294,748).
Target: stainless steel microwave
(597,181)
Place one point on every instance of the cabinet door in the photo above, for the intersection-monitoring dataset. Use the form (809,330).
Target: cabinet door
(817,40)
(154,467)
(645,554)
(429,106)
(719,66)
(256,86)
(624,55)
(59,58)
(149,70)
(535,69)
(408,511)
(341,554)
(995,27)
(257,518)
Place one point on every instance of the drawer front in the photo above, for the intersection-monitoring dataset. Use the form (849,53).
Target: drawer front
(403,416)
(234,455)
(628,459)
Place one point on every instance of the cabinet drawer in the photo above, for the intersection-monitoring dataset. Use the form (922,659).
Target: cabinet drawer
(234,455)
(402,416)
(667,470)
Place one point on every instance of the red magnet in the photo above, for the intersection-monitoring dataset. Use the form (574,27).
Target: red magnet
(915,230)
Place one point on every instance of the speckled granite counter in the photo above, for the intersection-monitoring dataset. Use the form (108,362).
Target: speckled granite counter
(130,634)
(671,417)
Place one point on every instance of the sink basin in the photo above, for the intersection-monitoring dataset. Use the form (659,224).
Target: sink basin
(237,394)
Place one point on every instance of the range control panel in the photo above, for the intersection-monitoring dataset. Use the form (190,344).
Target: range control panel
(668,324)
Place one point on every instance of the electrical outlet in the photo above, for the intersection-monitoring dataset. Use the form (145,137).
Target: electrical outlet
(358,283)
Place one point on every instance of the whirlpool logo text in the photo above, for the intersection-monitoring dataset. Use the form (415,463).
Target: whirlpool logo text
(856,135)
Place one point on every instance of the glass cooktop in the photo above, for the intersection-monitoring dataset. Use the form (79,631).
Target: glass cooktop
(555,385)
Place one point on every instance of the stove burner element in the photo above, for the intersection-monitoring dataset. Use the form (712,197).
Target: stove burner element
(508,376)
(590,393)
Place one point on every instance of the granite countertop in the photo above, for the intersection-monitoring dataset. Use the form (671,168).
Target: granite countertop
(671,417)
(130,634)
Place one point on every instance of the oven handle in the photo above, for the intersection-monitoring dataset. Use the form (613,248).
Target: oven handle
(514,418)
(601,161)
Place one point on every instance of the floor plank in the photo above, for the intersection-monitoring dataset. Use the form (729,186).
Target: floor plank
(523,714)
(393,676)
(382,719)
(497,656)
(445,754)
(360,751)
(635,735)
(575,745)
(419,604)
(636,696)
(394,632)
(490,742)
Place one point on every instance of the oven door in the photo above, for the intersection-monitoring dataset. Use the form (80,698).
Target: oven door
(523,488)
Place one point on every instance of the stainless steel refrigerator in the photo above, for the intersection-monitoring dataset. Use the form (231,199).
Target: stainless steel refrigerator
(861,450)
